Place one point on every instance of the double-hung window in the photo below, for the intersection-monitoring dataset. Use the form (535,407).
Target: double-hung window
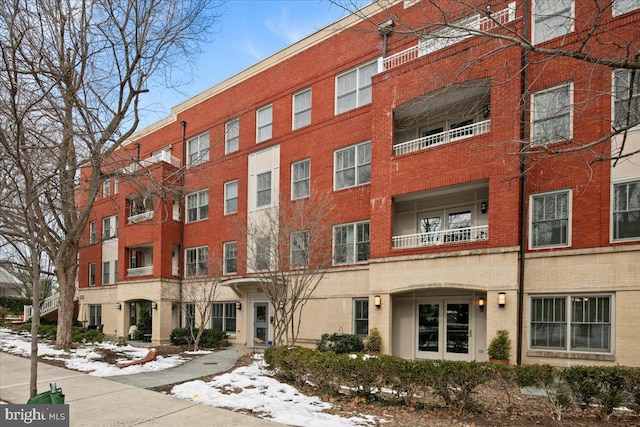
(198,149)
(196,262)
(351,243)
(264,123)
(352,166)
(361,317)
(95,315)
(106,188)
(626,210)
(262,253)
(299,249)
(302,109)
(190,315)
(300,173)
(551,115)
(110,227)
(626,99)
(106,272)
(198,206)
(232,136)
(223,316)
(552,18)
(353,88)
(92,274)
(231,197)
(230,254)
(577,323)
(550,219)
(263,189)
(93,235)
(624,6)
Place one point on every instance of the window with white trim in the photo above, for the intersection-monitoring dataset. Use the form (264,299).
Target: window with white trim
(93,234)
(116,185)
(299,249)
(361,317)
(232,136)
(626,210)
(92,274)
(352,166)
(230,254)
(575,323)
(264,123)
(262,253)
(195,261)
(624,6)
(351,243)
(300,174)
(302,109)
(552,18)
(550,215)
(551,115)
(223,316)
(626,98)
(106,188)
(263,189)
(95,315)
(110,227)
(198,149)
(231,197)
(197,205)
(353,88)
(106,272)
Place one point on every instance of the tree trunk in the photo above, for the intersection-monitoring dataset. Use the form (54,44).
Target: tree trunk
(67,289)
(35,321)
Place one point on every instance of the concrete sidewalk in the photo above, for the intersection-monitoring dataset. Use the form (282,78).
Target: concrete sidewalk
(95,401)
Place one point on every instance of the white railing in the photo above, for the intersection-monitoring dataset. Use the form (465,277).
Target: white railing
(162,156)
(458,235)
(141,217)
(436,139)
(48,305)
(175,271)
(140,271)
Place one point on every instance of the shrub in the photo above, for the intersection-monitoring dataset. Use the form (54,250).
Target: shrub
(182,336)
(557,396)
(597,386)
(456,382)
(144,325)
(15,305)
(89,335)
(341,343)
(374,340)
(214,338)
(500,346)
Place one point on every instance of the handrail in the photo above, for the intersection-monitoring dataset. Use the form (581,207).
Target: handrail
(432,238)
(456,134)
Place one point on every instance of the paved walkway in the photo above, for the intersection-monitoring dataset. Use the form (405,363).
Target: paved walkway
(95,401)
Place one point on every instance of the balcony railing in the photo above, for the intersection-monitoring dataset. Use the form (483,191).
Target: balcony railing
(458,235)
(175,271)
(456,134)
(141,217)
(140,271)
(162,156)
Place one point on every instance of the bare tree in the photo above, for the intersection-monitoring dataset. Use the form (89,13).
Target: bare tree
(289,249)
(200,294)
(72,73)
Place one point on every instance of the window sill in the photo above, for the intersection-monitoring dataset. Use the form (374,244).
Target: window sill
(601,357)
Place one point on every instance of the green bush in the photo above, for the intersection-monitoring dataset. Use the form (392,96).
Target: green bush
(500,345)
(374,341)
(88,336)
(456,382)
(544,377)
(602,387)
(181,336)
(15,305)
(211,338)
(341,343)
(144,325)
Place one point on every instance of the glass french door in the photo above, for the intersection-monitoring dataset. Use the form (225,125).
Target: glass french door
(444,329)
(260,324)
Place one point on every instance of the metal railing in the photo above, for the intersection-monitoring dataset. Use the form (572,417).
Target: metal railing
(456,134)
(458,235)
(140,271)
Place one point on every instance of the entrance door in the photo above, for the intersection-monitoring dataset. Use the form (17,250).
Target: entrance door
(444,330)
(260,323)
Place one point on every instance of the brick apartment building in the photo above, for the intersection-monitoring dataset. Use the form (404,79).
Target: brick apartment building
(442,233)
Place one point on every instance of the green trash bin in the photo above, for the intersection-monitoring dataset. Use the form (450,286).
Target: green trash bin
(52,397)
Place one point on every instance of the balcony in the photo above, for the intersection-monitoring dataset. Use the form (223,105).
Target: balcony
(140,271)
(140,260)
(458,235)
(141,217)
(161,156)
(445,137)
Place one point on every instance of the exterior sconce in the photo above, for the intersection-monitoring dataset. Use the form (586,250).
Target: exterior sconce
(481,304)
(118,306)
(238,306)
(377,301)
(280,306)
(154,305)
(484,206)
(502,299)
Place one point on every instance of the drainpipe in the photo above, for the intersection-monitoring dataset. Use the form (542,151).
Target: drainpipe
(385,28)
(183,168)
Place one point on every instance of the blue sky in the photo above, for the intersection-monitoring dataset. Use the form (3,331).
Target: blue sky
(249,31)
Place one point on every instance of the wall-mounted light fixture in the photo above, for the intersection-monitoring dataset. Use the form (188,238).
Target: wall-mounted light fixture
(502,299)
(377,301)
(238,306)
(280,305)
(484,206)
(481,304)
(118,306)
(154,305)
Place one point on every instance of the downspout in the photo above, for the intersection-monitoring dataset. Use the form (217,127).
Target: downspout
(524,129)
(181,204)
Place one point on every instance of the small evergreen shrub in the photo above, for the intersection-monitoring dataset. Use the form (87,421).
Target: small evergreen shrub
(341,343)
(211,338)
(500,346)
(374,341)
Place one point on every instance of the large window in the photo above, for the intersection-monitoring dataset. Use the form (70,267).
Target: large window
(353,88)
(106,188)
(232,136)
(198,206)
(300,173)
(95,315)
(626,99)
(626,210)
(190,315)
(352,166)
(230,253)
(551,115)
(351,243)
(302,109)
(106,273)
(571,323)
(299,249)
(196,262)
(92,274)
(223,316)
(264,123)
(263,189)
(231,197)
(262,253)
(624,6)
(550,219)
(552,18)
(198,149)
(93,234)
(361,316)
(110,227)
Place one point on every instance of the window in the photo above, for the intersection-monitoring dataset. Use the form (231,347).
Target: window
(626,109)
(550,225)
(351,243)
(626,210)
(106,272)
(353,166)
(302,109)
(198,206)
(263,195)
(624,6)
(551,115)
(353,88)
(223,316)
(230,250)
(361,317)
(116,185)
(106,188)
(93,235)
(190,315)
(571,323)
(92,274)
(552,18)
(300,172)
(198,149)
(110,227)
(232,136)
(196,262)
(263,253)
(299,249)
(95,315)
(231,197)
(264,123)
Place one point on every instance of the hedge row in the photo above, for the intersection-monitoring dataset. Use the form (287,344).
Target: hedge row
(15,305)
(211,338)
(49,332)
(453,384)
